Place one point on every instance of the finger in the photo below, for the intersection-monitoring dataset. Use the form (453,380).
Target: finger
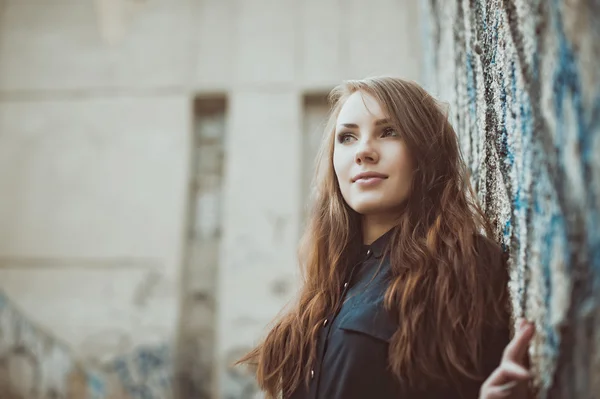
(513,390)
(509,386)
(517,348)
(507,372)
(494,394)
(502,391)
(515,370)
(519,342)
(494,379)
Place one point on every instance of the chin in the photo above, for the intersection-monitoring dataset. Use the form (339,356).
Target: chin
(368,208)
(376,204)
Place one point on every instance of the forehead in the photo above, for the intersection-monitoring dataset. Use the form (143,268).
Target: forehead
(360,107)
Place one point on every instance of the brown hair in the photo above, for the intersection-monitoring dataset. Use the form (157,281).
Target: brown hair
(449,281)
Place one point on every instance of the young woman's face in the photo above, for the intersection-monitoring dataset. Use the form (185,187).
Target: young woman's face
(371,161)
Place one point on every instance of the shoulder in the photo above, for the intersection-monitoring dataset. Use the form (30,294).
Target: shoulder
(493,262)
(487,246)
(491,259)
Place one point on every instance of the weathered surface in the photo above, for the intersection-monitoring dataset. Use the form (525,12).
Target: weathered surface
(196,342)
(35,365)
(522,79)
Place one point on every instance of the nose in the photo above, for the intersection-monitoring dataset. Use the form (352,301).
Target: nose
(365,153)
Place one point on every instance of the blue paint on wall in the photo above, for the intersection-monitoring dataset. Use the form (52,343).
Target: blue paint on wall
(146,373)
(96,386)
(546,153)
(568,92)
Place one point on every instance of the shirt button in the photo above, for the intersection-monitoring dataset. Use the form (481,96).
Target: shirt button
(312,373)
(325,322)
(345,285)
(369,252)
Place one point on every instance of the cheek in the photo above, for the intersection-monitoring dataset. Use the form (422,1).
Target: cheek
(403,163)
(341,172)
(404,160)
(339,166)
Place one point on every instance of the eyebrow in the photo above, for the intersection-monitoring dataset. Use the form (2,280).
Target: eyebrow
(379,122)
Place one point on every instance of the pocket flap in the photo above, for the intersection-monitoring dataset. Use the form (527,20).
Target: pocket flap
(370,319)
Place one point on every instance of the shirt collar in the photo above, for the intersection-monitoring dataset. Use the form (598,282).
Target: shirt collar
(380,245)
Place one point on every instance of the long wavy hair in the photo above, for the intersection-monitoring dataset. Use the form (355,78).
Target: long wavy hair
(448,274)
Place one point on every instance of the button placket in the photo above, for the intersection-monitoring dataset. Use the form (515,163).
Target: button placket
(327,324)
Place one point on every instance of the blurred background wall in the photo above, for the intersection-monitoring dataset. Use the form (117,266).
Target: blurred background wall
(155,160)
(522,78)
(155,157)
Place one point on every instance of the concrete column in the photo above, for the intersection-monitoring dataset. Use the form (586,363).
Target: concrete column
(261,216)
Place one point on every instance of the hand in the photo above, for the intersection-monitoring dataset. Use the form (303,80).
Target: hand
(509,380)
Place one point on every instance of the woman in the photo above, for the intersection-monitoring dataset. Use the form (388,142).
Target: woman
(404,295)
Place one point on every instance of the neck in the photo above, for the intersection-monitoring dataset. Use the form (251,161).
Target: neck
(374,226)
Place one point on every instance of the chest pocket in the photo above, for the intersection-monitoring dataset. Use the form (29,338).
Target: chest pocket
(371,319)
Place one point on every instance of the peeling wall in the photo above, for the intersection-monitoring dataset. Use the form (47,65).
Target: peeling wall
(522,80)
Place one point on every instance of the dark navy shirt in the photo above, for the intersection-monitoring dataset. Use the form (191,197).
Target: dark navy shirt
(352,349)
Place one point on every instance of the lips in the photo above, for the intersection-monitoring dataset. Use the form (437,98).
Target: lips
(368,176)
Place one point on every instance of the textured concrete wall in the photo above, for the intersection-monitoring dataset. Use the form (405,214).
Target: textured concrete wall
(522,79)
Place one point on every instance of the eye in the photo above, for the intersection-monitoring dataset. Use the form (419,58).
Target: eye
(344,137)
(389,132)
